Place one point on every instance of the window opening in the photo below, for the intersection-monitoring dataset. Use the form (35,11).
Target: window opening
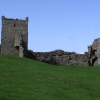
(14,25)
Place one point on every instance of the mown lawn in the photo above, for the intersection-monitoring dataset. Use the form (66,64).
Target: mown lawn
(25,79)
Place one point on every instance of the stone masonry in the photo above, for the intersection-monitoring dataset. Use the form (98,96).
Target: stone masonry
(59,57)
(14,41)
(94,53)
(14,36)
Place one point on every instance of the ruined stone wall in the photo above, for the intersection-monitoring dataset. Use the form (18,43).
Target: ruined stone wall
(94,53)
(14,41)
(98,52)
(0,48)
(13,31)
(59,57)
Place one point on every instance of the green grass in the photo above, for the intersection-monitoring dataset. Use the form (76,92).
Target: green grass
(25,79)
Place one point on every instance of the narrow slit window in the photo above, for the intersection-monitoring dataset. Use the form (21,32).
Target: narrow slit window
(14,25)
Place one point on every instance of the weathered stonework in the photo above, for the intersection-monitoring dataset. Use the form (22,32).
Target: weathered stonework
(0,48)
(14,36)
(94,53)
(14,41)
(60,57)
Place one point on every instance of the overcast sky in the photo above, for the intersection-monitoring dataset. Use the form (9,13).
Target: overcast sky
(69,25)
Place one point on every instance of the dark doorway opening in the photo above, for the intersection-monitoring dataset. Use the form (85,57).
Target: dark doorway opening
(93,61)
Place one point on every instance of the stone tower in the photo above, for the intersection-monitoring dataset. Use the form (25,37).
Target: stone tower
(14,36)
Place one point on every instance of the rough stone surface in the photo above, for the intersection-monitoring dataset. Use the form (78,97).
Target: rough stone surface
(94,53)
(0,48)
(14,36)
(14,41)
(59,57)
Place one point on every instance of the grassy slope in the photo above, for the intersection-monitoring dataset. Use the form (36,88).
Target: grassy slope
(25,79)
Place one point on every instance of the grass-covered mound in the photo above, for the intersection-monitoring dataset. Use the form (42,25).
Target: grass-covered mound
(25,79)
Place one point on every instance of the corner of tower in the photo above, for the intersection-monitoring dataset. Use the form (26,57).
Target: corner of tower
(3,17)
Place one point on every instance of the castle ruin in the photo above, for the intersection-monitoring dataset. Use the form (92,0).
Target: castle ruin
(14,36)
(14,41)
(94,53)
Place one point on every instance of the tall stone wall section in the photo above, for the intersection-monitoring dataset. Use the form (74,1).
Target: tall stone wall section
(98,52)
(94,53)
(0,48)
(14,36)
